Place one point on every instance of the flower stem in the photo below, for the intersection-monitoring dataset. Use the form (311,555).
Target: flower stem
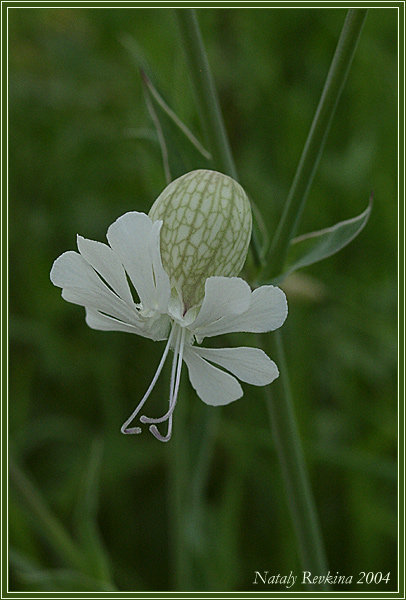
(289,449)
(283,420)
(304,516)
(291,459)
(179,479)
(208,103)
(216,136)
(205,92)
(313,149)
(218,145)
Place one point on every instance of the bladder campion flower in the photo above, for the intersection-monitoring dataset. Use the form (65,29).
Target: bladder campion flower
(182,261)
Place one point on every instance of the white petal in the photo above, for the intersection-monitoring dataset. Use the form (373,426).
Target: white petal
(251,365)
(267,311)
(104,260)
(81,285)
(136,240)
(213,386)
(71,270)
(223,296)
(161,278)
(97,320)
(156,331)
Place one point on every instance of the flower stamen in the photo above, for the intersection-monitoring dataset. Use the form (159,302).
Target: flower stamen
(130,430)
(174,389)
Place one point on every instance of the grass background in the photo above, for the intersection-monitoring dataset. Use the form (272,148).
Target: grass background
(75,105)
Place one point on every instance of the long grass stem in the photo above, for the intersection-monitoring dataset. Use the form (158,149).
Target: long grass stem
(300,499)
(294,472)
(205,92)
(283,420)
(208,104)
(52,530)
(313,148)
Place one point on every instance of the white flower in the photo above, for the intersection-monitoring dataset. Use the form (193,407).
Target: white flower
(97,277)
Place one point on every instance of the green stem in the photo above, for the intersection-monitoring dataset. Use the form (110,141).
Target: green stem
(283,420)
(315,142)
(205,92)
(291,459)
(208,103)
(179,481)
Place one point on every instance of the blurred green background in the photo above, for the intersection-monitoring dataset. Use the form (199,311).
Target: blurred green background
(81,154)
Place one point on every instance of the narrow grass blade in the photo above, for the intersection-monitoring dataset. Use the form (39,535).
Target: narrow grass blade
(180,148)
(283,420)
(315,142)
(48,526)
(205,92)
(160,102)
(52,580)
(208,105)
(293,466)
(181,151)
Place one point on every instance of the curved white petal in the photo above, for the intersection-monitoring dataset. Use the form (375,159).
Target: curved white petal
(71,270)
(161,278)
(97,320)
(136,240)
(106,262)
(223,296)
(267,311)
(81,285)
(213,386)
(156,331)
(251,365)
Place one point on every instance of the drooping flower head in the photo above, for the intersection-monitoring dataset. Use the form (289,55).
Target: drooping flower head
(182,260)
(206,231)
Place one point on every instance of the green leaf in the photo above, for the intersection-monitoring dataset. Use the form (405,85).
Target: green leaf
(313,247)
(181,150)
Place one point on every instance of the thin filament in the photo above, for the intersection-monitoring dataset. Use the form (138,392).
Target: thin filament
(174,390)
(153,428)
(162,438)
(175,382)
(124,428)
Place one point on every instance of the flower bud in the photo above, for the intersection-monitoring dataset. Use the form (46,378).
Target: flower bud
(206,231)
